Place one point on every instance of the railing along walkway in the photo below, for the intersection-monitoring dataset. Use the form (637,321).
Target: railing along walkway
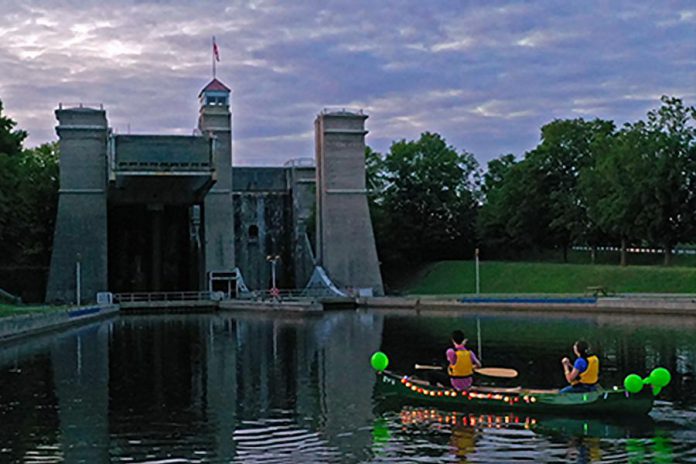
(151,297)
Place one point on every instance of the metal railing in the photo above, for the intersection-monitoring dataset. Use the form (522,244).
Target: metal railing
(286,294)
(141,297)
(342,110)
(70,105)
(300,163)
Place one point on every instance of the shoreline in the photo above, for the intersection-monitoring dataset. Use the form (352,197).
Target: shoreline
(644,304)
(15,327)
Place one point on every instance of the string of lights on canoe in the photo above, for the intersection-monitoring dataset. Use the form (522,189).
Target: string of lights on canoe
(509,399)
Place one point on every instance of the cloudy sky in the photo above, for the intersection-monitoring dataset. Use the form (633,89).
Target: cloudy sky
(484,74)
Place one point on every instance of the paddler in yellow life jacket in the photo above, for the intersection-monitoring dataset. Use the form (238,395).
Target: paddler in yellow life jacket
(583,374)
(461,363)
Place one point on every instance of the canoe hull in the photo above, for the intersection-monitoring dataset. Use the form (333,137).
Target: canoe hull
(603,402)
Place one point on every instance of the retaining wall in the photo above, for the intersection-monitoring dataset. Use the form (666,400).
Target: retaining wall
(15,327)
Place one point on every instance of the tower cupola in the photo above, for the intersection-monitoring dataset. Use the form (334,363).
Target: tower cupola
(215,94)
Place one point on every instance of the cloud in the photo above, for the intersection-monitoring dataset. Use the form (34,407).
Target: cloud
(486,75)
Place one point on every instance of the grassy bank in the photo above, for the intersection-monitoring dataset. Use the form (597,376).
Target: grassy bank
(458,277)
(18,310)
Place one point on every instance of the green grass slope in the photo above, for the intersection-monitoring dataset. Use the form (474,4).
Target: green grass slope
(19,310)
(453,277)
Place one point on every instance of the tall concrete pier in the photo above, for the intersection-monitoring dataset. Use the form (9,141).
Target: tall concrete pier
(345,239)
(80,233)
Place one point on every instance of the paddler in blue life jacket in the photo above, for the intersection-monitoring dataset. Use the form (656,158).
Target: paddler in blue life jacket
(583,374)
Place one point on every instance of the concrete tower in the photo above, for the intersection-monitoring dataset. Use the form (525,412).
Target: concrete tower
(215,119)
(80,233)
(345,241)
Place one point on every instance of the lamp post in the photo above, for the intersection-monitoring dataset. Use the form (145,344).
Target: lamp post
(478,279)
(273,259)
(78,258)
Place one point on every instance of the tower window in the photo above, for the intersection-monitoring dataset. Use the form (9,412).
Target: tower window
(213,100)
(253,233)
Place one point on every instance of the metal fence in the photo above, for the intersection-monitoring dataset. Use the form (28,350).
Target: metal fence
(140,297)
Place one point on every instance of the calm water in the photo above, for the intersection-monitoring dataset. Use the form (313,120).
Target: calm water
(245,388)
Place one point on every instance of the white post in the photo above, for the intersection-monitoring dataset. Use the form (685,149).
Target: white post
(478,335)
(478,279)
(273,275)
(77,279)
(273,260)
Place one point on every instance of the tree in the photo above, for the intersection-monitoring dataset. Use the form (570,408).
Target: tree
(430,200)
(615,187)
(567,147)
(11,139)
(28,197)
(493,217)
(671,207)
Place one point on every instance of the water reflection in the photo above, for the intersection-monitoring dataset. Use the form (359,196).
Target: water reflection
(513,437)
(243,388)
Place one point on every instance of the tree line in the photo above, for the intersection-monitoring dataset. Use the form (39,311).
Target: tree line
(587,182)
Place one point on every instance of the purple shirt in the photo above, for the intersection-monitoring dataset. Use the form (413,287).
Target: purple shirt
(461,384)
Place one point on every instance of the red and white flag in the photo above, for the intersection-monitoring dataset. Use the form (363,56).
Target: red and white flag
(216,51)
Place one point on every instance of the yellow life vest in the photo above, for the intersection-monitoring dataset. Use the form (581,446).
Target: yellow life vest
(464,367)
(591,375)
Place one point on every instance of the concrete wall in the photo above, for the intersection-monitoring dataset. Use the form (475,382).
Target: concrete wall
(303,193)
(262,228)
(345,240)
(279,203)
(15,327)
(81,220)
(176,151)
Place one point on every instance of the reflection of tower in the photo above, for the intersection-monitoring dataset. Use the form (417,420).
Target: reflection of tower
(81,378)
(345,241)
(215,119)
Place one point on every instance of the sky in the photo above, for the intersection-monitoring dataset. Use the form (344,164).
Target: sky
(486,75)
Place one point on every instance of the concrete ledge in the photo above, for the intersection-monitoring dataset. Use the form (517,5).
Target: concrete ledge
(14,327)
(662,305)
(309,306)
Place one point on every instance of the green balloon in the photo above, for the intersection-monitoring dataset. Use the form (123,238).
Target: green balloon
(379,361)
(633,383)
(660,377)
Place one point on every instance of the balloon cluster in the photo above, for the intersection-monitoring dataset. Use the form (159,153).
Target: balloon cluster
(658,378)
(379,361)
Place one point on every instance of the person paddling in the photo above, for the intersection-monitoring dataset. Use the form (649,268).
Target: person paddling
(461,364)
(583,374)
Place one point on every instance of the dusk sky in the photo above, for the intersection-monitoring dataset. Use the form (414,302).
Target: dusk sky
(486,75)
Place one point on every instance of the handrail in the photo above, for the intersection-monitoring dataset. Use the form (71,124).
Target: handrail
(139,297)
(71,105)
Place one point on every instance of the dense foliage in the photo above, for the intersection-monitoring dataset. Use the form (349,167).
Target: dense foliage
(28,197)
(424,200)
(585,183)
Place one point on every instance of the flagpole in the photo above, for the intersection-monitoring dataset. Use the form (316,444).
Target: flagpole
(213,56)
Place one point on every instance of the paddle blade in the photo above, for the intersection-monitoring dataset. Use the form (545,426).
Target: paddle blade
(427,367)
(502,372)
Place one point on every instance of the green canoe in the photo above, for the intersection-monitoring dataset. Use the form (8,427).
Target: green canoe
(406,389)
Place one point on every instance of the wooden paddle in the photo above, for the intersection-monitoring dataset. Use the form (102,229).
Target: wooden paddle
(502,372)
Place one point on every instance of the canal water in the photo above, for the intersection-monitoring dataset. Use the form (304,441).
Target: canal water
(258,388)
